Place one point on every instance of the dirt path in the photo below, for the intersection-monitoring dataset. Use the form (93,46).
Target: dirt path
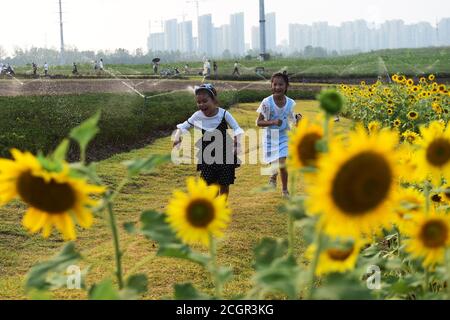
(15,87)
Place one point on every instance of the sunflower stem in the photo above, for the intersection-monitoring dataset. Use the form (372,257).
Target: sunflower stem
(118,189)
(325,130)
(214,268)
(312,276)
(447,264)
(426,191)
(291,220)
(118,253)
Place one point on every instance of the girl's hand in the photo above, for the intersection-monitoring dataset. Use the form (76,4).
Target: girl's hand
(278,122)
(176,143)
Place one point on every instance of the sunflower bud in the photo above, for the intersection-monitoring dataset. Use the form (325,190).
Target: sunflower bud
(331,101)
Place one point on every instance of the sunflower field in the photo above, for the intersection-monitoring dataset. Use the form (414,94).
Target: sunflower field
(374,213)
(405,104)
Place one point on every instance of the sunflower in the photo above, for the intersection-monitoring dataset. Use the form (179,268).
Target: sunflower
(374,126)
(338,257)
(397,123)
(54,198)
(199,213)
(436,107)
(408,162)
(354,185)
(410,136)
(429,236)
(433,157)
(302,144)
(431,77)
(413,115)
(390,111)
(436,198)
(410,82)
(395,78)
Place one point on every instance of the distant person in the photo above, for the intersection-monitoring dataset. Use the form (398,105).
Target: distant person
(46,69)
(74,69)
(155,67)
(186,68)
(215,68)
(95,65)
(100,65)
(34,65)
(1,68)
(177,71)
(10,70)
(206,69)
(236,69)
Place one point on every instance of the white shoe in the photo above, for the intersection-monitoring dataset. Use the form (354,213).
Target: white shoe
(285,194)
(273,183)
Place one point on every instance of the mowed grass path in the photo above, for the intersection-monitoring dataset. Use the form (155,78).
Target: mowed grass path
(255,216)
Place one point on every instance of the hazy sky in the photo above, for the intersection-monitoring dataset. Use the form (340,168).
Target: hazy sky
(110,24)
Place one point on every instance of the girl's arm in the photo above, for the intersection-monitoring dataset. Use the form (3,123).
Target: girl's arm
(177,139)
(260,122)
(182,128)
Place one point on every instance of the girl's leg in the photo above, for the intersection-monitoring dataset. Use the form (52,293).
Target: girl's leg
(224,190)
(284,174)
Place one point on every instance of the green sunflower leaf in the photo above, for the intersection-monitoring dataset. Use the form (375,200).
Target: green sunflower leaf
(56,272)
(155,227)
(104,290)
(85,132)
(137,283)
(186,291)
(135,167)
(61,151)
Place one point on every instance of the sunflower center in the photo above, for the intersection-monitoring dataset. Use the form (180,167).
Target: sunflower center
(412,114)
(200,213)
(434,234)
(306,149)
(362,183)
(438,152)
(436,198)
(339,254)
(51,197)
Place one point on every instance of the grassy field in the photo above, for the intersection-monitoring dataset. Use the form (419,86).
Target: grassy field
(255,216)
(407,61)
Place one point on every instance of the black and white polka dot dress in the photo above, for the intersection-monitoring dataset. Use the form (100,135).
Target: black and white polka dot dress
(221,171)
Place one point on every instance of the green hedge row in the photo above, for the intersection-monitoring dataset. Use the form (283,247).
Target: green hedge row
(39,123)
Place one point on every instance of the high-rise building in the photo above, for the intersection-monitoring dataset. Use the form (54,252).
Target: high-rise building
(226,37)
(271,31)
(255,38)
(205,34)
(218,43)
(185,43)
(443,32)
(237,30)
(171,35)
(156,42)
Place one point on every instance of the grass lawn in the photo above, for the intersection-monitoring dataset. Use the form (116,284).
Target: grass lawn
(255,216)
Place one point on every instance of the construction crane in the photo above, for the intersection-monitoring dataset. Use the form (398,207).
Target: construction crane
(197,5)
(61,33)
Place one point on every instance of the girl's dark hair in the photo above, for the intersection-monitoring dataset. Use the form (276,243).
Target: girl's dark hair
(284,76)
